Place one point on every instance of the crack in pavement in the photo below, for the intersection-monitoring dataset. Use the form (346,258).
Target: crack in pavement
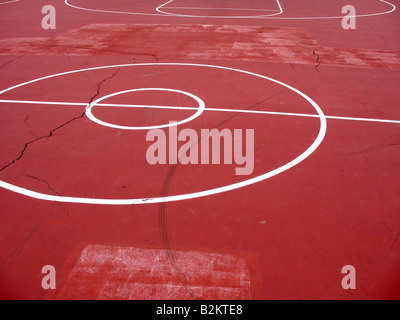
(378,34)
(29,127)
(319,63)
(395,241)
(52,189)
(75,66)
(377,148)
(366,90)
(109,51)
(61,126)
(162,210)
(14,59)
(3,266)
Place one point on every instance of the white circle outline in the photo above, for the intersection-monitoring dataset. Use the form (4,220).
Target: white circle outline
(200,110)
(166,14)
(240,17)
(270,174)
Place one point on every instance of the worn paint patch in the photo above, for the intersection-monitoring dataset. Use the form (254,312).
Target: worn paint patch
(362,58)
(172,42)
(106,272)
(248,43)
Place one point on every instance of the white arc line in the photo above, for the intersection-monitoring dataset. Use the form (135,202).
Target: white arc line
(199,110)
(158,9)
(9,1)
(236,17)
(341,17)
(166,14)
(310,150)
(262,112)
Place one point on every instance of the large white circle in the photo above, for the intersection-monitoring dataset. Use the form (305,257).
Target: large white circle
(200,110)
(238,17)
(289,165)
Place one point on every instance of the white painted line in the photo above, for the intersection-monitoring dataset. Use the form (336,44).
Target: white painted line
(233,9)
(280,17)
(200,110)
(302,115)
(164,6)
(98,104)
(311,149)
(44,102)
(341,17)
(262,112)
(163,14)
(364,119)
(9,1)
(111,11)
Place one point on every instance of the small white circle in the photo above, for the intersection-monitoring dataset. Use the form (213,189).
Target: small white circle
(200,109)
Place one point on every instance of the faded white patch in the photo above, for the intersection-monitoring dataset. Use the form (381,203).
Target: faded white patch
(135,274)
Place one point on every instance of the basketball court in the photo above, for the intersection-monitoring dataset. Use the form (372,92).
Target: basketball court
(77,192)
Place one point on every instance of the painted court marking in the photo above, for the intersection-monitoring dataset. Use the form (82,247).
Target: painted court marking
(162,13)
(280,17)
(290,114)
(9,1)
(230,9)
(289,165)
(158,9)
(341,17)
(200,109)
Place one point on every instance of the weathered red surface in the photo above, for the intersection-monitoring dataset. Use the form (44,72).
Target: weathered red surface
(293,232)
(248,43)
(104,272)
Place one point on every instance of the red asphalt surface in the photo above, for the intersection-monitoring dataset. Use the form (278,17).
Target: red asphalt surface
(287,237)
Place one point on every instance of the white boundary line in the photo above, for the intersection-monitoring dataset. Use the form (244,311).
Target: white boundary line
(314,146)
(80,104)
(158,9)
(233,9)
(261,112)
(9,1)
(341,17)
(110,11)
(249,17)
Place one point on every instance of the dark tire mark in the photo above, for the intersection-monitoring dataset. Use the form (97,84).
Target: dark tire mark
(163,214)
